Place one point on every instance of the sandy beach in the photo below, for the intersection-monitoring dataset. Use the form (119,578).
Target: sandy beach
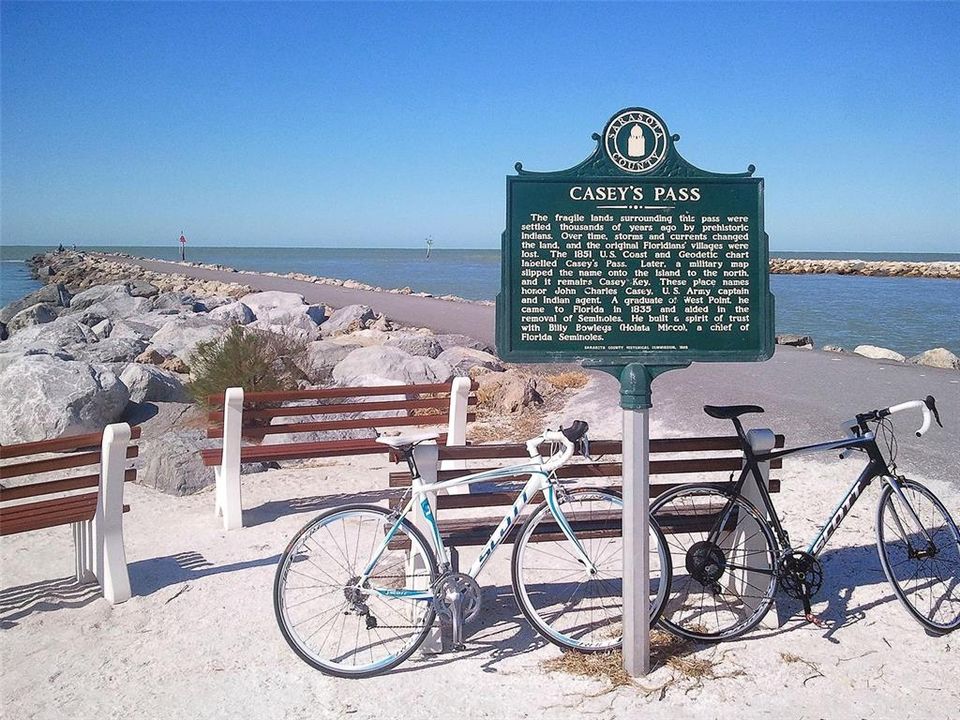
(199,639)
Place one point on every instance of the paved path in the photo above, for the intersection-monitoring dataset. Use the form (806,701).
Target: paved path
(806,393)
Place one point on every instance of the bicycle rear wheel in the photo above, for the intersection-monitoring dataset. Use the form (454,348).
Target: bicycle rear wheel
(333,622)
(925,576)
(723,556)
(564,602)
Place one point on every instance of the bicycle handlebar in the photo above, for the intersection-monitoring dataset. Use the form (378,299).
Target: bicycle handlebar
(558,459)
(927,406)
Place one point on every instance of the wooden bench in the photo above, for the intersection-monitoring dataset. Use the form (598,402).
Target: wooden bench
(247,423)
(700,459)
(91,502)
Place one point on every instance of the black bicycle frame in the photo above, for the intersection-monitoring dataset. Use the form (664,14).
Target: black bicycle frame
(876,467)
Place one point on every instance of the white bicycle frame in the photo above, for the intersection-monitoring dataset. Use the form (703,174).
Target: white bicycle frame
(541,473)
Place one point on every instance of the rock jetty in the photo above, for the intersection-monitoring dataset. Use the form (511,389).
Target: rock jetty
(95,346)
(873,268)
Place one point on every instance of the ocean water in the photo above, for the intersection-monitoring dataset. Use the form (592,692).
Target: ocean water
(905,314)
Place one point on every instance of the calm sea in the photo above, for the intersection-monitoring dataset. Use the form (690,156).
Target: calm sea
(905,314)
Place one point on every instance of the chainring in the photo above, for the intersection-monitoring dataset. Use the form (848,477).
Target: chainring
(801,574)
(460,586)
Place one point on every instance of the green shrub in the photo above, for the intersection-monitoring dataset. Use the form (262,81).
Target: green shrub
(255,360)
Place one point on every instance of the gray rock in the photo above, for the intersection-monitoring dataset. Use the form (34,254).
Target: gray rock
(287,310)
(453,340)
(300,327)
(147,383)
(133,329)
(113,308)
(103,328)
(878,353)
(804,341)
(38,314)
(938,358)
(170,444)
(173,301)
(348,319)
(320,357)
(181,336)
(233,313)
(112,350)
(142,288)
(42,397)
(53,294)
(392,364)
(833,348)
(416,344)
(63,333)
(205,305)
(110,295)
(464,359)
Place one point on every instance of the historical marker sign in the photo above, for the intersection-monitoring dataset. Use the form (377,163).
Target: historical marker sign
(634,255)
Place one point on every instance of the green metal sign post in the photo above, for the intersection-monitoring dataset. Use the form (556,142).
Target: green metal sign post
(634,262)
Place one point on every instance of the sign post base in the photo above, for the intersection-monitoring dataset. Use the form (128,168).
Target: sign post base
(635,399)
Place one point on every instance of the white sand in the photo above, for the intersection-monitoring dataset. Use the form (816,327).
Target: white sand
(199,638)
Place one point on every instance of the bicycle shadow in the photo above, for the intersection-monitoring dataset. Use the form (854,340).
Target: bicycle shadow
(273,510)
(845,570)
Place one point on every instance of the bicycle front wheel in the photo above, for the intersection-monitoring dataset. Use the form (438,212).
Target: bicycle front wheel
(336,623)
(564,601)
(922,562)
(723,556)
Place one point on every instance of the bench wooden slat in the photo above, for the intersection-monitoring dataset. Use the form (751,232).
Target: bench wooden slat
(53,516)
(280,396)
(61,444)
(357,424)
(56,486)
(58,463)
(340,408)
(598,448)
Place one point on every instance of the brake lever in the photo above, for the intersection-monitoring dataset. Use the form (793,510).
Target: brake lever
(931,404)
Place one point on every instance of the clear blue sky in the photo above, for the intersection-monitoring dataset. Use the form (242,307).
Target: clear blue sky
(376,125)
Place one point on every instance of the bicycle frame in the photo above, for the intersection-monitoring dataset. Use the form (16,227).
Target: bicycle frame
(540,481)
(876,467)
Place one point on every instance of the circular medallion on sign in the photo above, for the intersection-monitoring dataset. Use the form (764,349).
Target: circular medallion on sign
(636,140)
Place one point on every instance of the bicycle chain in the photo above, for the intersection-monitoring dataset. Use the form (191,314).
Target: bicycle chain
(398,577)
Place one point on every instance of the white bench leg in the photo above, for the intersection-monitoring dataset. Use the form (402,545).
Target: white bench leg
(83,549)
(761,440)
(227,496)
(457,426)
(111,558)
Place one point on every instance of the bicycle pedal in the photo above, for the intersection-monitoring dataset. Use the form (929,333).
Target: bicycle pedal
(815,620)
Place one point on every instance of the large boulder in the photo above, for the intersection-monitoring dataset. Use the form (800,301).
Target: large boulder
(274,310)
(147,383)
(174,301)
(451,340)
(416,344)
(938,358)
(63,333)
(349,319)
(112,350)
(509,391)
(464,359)
(234,313)
(801,341)
(38,314)
(112,308)
(181,335)
(878,353)
(392,364)
(142,288)
(320,357)
(53,294)
(42,397)
(170,440)
(108,294)
(135,329)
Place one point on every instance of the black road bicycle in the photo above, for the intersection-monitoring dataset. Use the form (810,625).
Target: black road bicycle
(728,558)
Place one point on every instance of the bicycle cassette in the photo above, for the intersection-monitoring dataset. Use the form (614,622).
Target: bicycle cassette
(453,588)
(801,574)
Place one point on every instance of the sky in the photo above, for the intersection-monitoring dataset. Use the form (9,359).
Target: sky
(376,125)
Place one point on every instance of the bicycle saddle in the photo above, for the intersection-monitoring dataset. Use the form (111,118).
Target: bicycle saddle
(729,412)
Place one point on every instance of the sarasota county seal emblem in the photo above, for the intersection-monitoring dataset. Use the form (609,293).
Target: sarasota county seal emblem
(636,140)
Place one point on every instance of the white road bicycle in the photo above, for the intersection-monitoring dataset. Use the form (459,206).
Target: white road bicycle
(358,588)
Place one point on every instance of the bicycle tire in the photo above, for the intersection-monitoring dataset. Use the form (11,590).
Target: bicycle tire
(340,588)
(599,596)
(944,565)
(702,569)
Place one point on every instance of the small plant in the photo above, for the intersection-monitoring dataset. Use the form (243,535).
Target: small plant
(255,360)
(570,379)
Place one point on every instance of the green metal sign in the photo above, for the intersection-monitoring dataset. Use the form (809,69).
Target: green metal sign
(634,256)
